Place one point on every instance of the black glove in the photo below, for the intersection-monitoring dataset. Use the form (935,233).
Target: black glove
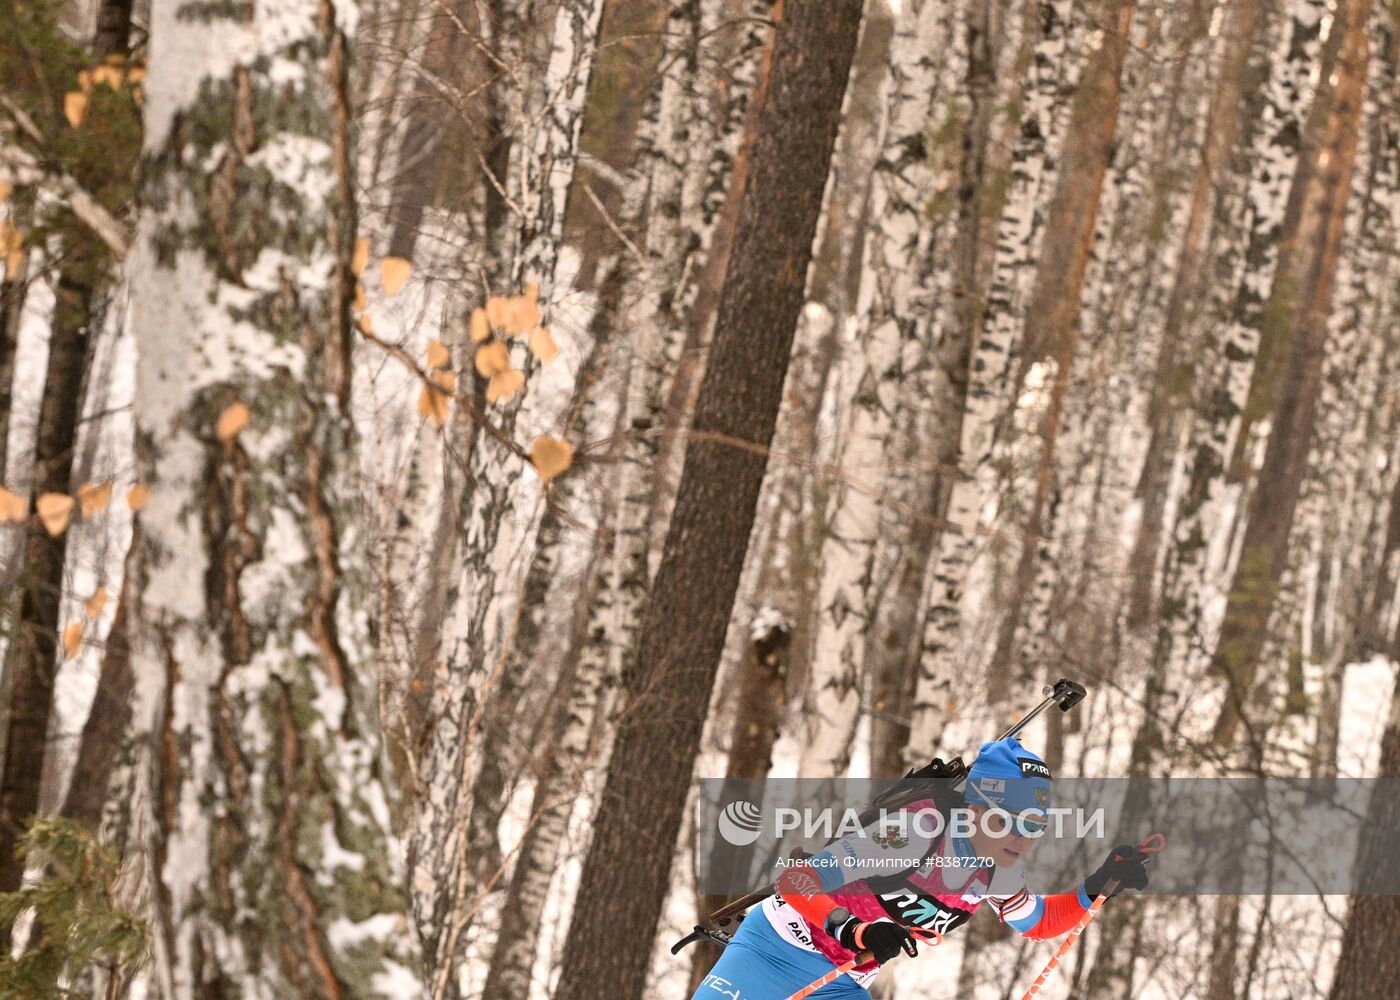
(883,938)
(1125,865)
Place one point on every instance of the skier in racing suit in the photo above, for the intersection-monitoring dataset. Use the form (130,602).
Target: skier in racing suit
(921,876)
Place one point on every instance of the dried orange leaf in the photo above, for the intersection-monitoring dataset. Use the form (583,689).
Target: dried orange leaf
(5,189)
(394,272)
(84,80)
(542,345)
(137,496)
(532,292)
(438,354)
(361,298)
(361,256)
(492,358)
(551,456)
(55,510)
(93,606)
(432,404)
(14,260)
(136,74)
(12,506)
(234,418)
(522,315)
(109,75)
(496,311)
(366,323)
(73,639)
(75,107)
(447,381)
(504,385)
(95,497)
(481,329)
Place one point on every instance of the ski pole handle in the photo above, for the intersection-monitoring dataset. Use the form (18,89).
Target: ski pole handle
(1151,845)
(932,938)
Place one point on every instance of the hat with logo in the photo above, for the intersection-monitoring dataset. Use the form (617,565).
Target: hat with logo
(1008,776)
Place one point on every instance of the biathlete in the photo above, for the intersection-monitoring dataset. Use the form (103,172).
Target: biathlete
(921,875)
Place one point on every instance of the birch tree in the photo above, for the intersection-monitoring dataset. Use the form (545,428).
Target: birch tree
(1296,312)
(273,869)
(1019,234)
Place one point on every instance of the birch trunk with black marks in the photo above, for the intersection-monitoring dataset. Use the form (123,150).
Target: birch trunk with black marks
(1195,558)
(454,855)
(273,868)
(1296,315)
(1056,299)
(1018,238)
(669,682)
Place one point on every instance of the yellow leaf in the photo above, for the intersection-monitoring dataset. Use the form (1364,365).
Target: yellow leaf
(361,257)
(109,75)
(447,381)
(438,354)
(95,497)
(11,239)
(551,456)
(5,189)
(234,418)
(542,345)
(522,315)
(394,272)
(481,329)
(366,323)
(12,506)
(137,496)
(496,311)
(73,639)
(492,358)
(432,404)
(93,606)
(361,298)
(74,107)
(55,510)
(532,292)
(14,260)
(504,385)
(84,80)
(136,74)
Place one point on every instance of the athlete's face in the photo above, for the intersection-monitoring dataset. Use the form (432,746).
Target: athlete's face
(1004,850)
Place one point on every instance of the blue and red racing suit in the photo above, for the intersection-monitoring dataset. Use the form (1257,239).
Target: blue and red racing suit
(930,882)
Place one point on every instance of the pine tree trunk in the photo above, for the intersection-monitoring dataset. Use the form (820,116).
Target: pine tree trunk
(1369,961)
(250,647)
(1298,309)
(668,684)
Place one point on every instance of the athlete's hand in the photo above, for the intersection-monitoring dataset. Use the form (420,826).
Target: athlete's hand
(883,938)
(1125,865)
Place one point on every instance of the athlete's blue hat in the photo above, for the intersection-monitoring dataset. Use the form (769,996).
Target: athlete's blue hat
(1007,775)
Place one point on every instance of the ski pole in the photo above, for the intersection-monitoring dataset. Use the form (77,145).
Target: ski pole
(1151,845)
(1065,693)
(861,959)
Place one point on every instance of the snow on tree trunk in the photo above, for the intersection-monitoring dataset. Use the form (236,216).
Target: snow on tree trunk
(274,869)
(1019,234)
